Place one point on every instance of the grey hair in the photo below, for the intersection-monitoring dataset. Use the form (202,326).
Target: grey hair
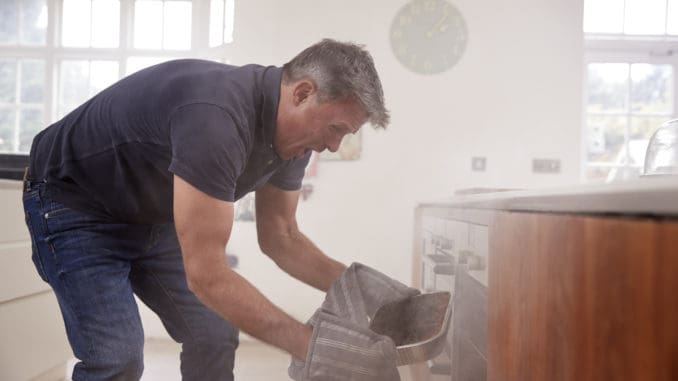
(341,71)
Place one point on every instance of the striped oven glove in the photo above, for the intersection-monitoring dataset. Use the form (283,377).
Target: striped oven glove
(342,347)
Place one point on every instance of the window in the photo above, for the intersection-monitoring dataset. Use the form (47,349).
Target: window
(162,24)
(221,22)
(631,86)
(91,44)
(631,17)
(22,84)
(24,22)
(91,23)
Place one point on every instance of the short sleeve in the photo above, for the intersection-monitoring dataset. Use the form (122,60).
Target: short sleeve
(208,149)
(290,175)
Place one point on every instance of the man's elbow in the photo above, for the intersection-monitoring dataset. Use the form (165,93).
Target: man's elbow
(275,242)
(198,285)
(277,250)
(201,280)
(268,246)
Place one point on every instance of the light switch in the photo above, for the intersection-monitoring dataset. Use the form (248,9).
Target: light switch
(478,163)
(545,165)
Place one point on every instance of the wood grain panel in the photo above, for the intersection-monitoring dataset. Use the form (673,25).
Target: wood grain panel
(582,298)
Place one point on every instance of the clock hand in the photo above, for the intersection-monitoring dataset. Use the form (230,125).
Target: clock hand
(438,25)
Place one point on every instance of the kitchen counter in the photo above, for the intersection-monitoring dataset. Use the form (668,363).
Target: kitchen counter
(648,196)
(555,284)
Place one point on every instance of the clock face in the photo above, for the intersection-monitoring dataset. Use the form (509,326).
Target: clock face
(428,36)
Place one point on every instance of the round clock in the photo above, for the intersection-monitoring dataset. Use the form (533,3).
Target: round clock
(428,36)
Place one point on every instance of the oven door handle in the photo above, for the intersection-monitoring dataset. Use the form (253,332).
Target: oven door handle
(440,264)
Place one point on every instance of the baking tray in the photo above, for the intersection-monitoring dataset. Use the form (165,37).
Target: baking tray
(418,325)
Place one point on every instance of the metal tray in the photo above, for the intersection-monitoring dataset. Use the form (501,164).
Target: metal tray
(418,325)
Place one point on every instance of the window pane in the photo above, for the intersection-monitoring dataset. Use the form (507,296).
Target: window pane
(672,27)
(607,87)
(177,25)
(30,123)
(605,138)
(9,24)
(603,16)
(645,16)
(642,127)
(640,133)
(7,119)
(229,21)
(74,85)
(8,81)
(216,22)
(33,22)
(135,64)
(32,81)
(652,88)
(148,24)
(102,75)
(76,23)
(105,23)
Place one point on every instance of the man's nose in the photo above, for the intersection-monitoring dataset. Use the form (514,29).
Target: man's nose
(334,143)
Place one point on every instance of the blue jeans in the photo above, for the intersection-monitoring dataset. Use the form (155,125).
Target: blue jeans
(95,267)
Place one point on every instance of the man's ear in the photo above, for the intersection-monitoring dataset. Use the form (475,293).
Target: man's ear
(302,91)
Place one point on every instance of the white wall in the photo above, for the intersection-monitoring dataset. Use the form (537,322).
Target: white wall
(515,95)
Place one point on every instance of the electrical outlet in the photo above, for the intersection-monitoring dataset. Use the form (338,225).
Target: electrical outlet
(546,165)
(478,163)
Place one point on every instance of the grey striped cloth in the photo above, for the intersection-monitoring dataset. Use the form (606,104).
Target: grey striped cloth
(342,347)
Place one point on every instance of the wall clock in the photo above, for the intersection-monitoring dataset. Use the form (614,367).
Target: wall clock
(428,36)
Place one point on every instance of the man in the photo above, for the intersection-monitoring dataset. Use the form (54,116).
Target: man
(132,193)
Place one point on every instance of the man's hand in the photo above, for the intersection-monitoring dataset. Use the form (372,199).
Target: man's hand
(203,225)
(343,350)
(281,240)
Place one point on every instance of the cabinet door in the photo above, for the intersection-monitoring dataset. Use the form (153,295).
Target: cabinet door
(582,298)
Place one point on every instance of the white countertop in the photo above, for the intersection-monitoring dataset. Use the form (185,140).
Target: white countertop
(10,184)
(648,196)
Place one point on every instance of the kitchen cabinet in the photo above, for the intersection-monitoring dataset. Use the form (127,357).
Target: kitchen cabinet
(571,284)
(34,345)
(583,298)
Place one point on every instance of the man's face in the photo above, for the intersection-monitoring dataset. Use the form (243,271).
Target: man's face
(307,124)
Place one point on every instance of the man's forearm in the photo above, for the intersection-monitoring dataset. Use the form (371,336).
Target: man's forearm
(238,301)
(302,259)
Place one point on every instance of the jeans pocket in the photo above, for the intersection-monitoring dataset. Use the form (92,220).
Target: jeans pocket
(35,255)
(57,212)
(58,218)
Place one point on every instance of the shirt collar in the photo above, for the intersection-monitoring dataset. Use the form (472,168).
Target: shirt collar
(270,94)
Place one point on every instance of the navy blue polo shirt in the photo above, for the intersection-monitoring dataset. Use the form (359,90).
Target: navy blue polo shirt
(210,124)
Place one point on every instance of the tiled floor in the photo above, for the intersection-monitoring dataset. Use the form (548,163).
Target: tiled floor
(254,362)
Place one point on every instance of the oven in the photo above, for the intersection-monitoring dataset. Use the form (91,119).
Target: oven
(453,253)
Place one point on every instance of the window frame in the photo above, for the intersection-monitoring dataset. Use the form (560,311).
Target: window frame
(628,49)
(53,54)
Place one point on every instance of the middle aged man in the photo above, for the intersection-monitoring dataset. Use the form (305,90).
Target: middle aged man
(132,193)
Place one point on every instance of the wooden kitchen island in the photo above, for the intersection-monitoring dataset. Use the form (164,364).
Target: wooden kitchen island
(573,284)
